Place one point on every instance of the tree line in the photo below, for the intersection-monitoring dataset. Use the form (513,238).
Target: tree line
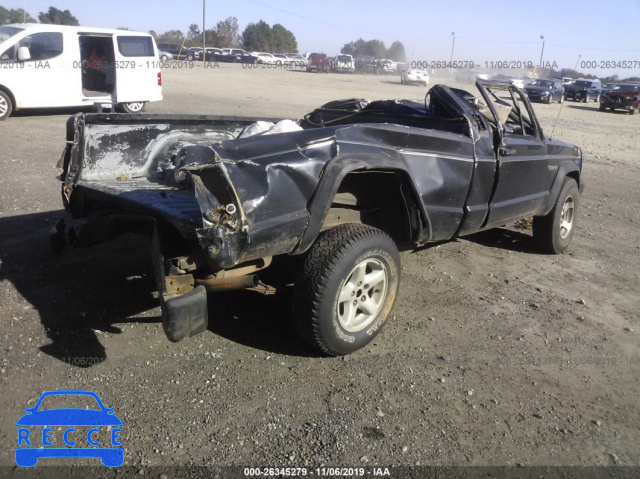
(375,48)
(258,36)
(52,16)
(226,34)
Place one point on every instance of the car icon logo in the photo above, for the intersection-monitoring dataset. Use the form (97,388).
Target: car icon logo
(69,432)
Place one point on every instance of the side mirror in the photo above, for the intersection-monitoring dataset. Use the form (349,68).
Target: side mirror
(24,54)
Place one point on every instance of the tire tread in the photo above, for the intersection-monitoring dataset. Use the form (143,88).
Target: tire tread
(323,256)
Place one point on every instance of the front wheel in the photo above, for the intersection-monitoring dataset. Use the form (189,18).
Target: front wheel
(190,57)
(602,107)
(346,288)
(6,106)
(553,232)
(587,98)
(561,100)
(133,107)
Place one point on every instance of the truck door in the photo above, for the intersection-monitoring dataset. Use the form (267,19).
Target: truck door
(522,185)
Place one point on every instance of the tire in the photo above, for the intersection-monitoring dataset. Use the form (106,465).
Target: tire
(587,98)
(561,100)
(602,107)
(133,107)
(597,99)
(553,232)
(164,58)
(550,99)
(6,105)
(632,111)
(335,268)
(190,57)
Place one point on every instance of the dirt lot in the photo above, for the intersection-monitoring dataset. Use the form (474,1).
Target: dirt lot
(495,355)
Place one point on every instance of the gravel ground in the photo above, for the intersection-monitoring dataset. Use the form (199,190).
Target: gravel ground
(495,354)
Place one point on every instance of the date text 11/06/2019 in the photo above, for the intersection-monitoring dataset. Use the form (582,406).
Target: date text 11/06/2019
(493,64)
(319,471)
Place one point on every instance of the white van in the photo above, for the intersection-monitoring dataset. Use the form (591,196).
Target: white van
(45,66)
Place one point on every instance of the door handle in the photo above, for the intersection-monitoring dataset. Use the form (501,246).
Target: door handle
(504,151)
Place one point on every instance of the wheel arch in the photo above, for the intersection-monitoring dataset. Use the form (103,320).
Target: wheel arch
(567,169)
(367,207)
(6,90)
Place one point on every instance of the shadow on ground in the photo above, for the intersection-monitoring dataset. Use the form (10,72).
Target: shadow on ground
(84,290)
(505,239)
(585,107)
(66,112)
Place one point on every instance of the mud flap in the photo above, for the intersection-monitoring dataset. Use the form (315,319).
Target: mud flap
(185,315)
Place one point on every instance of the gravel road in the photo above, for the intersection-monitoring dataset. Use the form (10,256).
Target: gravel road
(495,354)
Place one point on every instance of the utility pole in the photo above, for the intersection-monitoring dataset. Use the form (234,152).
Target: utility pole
(453,42)
(542,52)
(204,36)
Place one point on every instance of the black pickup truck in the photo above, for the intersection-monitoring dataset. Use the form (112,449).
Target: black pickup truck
(326,205)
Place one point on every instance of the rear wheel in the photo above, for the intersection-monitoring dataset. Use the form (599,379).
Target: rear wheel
(587,98)
(553,232)
(346,288)
(6,106)
(133,107)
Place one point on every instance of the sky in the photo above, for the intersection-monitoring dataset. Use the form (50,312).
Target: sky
(488,31)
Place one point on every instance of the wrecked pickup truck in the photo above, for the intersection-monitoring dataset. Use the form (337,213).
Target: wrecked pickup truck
(330,199)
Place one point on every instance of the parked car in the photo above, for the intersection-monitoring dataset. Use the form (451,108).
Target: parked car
(545,90)
(165,56)
(178,51)
(470,76)
(414,75)
(584,90)
(332,200)
(267,58)
(319,62)
(233,51)
(53,66)
(623,96)
(366,64)
(387,66)
(514,80)
(217,55)
(299,61)
(343,63)
(248,58)
(606,88)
